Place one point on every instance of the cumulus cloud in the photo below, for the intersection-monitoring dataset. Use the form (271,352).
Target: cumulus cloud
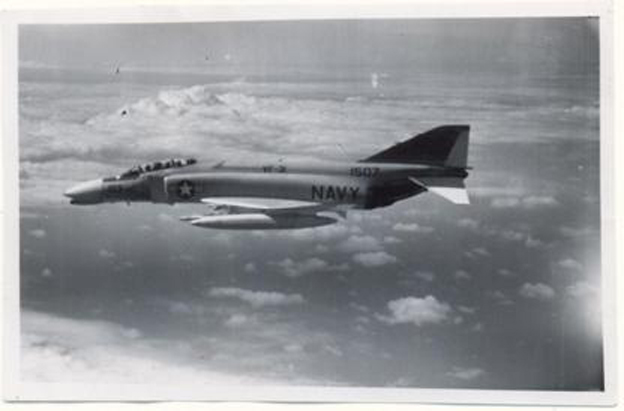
(499,297)
(466,310)
(106,254)
(462,275)
(537,291)
(527,203)
(416,311)
(581,289)
(237,321)
(391,240)
(577,231)
(293,348)
(468,223)
(477,252)
(477,328)
(427,276)
(374,259)
(360,243)
(504,272)
(294,269)
(466,374)
(320,234)
(38,233)
(570,264)
(413,228)
(257,299)
(539,201)
(521,236)
(250,268)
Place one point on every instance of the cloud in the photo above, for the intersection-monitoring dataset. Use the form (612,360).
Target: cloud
(477,252)
(527,203)
(477,328)
(504,272)
(521,236)
(466,374)
(462,275)
(56,349)
(581,289)
(106,254)
(320,234)
(499,297)
(38,233)
(505,202)
(237,321)
(374,259)
(360,243)
(537,291)
(391,240)
(179,307)
(570,264)
(295,269)
(427,276)
(413,228)
(293,348)
(257,299)
(466,310)
(46,272)
(250,268)
(238,125)
(416,311)
(572,232)
(332,349)
(539,201)
(468,223)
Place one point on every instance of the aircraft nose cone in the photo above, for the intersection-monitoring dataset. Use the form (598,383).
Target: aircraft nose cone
(89,192)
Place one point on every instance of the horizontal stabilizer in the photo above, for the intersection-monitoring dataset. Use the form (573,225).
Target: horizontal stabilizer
(455,195)
(455,192)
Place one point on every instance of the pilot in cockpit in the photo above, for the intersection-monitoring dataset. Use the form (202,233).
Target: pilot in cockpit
(155,166)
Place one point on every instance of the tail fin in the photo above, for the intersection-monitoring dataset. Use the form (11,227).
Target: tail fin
(443,146)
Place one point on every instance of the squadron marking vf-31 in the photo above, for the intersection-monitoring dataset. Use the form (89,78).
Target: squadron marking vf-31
(294,195)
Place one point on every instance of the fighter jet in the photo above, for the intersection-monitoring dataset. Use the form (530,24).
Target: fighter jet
(288,195)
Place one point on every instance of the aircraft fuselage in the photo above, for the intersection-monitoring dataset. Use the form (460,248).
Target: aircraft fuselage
(353,185)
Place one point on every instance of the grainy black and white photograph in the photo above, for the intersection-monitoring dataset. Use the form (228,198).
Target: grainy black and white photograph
(379,203)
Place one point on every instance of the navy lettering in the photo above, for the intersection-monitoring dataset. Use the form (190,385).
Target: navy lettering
(317,192)
(354,192)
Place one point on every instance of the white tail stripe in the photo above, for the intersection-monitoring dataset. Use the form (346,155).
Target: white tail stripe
(454,194)
(457,195)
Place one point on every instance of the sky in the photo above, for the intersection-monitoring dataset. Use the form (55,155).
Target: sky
(501,294)
(519,46)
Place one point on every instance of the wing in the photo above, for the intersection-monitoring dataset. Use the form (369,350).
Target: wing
(265,205)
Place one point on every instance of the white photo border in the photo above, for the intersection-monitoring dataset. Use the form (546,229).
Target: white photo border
(16,390)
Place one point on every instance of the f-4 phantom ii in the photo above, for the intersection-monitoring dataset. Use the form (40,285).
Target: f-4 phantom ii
(294,195)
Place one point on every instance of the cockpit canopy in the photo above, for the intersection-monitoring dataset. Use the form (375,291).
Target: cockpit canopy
(136,171)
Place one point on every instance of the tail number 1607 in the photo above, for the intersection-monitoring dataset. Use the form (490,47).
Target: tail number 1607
(364,171)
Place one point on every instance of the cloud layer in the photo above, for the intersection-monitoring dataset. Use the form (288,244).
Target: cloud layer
(257,299)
